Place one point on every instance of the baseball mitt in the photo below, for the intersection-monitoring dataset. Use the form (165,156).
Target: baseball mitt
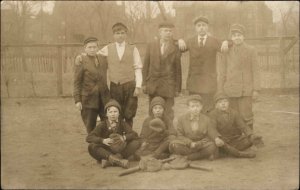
(150,164)
(118,144)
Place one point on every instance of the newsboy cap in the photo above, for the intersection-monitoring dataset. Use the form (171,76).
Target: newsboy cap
(90,39)
(166,24)
(194,97)
(220,96)
(119,26)
(111,103)
(200,19)
(237,28)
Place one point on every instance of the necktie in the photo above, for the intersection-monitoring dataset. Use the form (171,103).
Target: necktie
(96,62)
(201,42)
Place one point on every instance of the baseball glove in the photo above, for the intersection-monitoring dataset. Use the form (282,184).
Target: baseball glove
(150,164)
(118,144)
(157,125)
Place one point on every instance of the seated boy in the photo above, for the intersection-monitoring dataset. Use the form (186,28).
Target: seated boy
(234,132)
(113,139)
(196,134)
(156,131)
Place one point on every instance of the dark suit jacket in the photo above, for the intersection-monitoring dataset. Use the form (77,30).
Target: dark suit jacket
(239,71)
(202,75)
(162,73)
(90,82)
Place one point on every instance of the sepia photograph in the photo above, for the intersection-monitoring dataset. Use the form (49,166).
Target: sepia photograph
(150,95)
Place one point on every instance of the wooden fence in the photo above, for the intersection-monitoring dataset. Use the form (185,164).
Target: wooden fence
(39,70)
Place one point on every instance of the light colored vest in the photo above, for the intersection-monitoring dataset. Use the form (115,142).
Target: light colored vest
(120,71)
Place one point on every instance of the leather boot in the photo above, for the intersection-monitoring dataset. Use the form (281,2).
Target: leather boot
(114,160)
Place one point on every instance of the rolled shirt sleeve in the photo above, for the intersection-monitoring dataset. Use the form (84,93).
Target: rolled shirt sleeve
(138,66)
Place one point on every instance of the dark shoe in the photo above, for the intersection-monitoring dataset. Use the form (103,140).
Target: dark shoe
(105,163)
(114,160)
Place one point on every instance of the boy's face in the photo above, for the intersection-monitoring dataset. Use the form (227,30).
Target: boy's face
(194,107)
(157,111)
(201,28)
(91,48)
(112,113)
(166,33)
(237,38)
(222,104)
(120,36)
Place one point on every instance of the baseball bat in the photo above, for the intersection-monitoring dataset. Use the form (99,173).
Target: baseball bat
(195,166)
(137,168)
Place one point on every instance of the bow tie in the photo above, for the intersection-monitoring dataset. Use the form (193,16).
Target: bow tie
(194,117)
(113,125)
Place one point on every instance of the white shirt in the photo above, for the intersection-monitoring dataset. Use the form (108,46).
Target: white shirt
(137,62)
(204,40)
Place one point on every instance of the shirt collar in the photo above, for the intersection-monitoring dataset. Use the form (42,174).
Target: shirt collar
(204,37)
(120,44)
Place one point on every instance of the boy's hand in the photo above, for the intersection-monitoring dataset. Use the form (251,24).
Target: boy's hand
(78,106)
(193,145)
(181,45)
(219,142)
(137,91)
(144,89)
(107,141)
(224,47)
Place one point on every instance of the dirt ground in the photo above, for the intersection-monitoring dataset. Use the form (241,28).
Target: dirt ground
(43,146)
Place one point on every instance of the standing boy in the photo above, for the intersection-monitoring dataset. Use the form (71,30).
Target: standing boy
(90,84)
(125,72)
(197,136)
(162,68)
(234,132)
(239,74)
(202,74)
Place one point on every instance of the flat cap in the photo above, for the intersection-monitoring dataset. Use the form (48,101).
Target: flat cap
(119,26)
(90,39)
(237,28)
(200,19)
(166,24)
(220,96)
(194,97)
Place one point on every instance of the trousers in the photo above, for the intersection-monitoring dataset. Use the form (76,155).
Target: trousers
(102,151)
(243,105)
(123,93)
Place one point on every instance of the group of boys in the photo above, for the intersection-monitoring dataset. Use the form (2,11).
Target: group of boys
(224,123)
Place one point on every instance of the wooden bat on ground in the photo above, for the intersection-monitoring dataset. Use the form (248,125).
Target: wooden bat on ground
(137,168)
